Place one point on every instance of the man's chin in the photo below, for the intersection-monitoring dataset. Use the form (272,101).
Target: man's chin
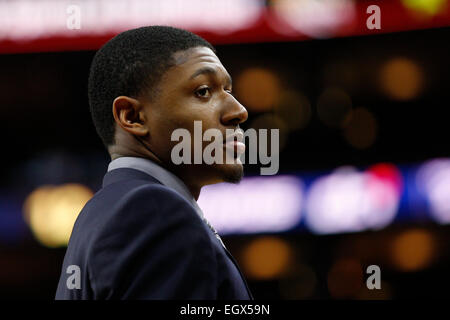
(231,173)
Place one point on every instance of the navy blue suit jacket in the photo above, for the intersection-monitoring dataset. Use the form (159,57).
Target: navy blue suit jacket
(138,239)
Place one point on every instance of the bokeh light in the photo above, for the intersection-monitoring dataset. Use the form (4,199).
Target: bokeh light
(51,211)
(271,121)
(315,18)
(248,207)
(401,79)
(433,181)
(389,173)
(426,7)
(334,107)
(350,201)
(345,278)
(361,131)
(266,257)
(257,89)
(294,109)
(413,250)
(34,19)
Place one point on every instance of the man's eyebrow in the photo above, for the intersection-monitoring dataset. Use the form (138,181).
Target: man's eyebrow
(209,70)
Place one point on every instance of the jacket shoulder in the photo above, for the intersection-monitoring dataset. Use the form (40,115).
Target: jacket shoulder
(152,229)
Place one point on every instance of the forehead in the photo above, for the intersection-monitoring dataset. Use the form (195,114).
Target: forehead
(195,56)
(189,61)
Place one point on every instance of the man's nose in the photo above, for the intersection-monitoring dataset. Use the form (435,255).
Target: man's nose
(234,114)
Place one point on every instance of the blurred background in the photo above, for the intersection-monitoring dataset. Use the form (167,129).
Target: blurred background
(364,173)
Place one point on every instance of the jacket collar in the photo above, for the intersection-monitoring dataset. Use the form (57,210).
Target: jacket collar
(146,169)
(126,174)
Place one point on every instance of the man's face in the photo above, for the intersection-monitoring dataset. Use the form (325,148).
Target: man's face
(197,88)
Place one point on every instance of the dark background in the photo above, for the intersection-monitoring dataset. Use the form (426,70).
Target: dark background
(48,137)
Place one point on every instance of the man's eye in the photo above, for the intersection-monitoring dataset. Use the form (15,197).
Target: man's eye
(203,92)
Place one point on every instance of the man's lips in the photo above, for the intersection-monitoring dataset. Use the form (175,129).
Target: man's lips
(239,147)
(235,142)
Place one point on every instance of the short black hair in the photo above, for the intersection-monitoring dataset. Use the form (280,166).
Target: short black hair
(128,64)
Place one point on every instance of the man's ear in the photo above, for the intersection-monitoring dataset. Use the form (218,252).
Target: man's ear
(129,115)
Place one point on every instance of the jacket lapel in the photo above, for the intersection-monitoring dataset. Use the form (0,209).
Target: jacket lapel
(120,174)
